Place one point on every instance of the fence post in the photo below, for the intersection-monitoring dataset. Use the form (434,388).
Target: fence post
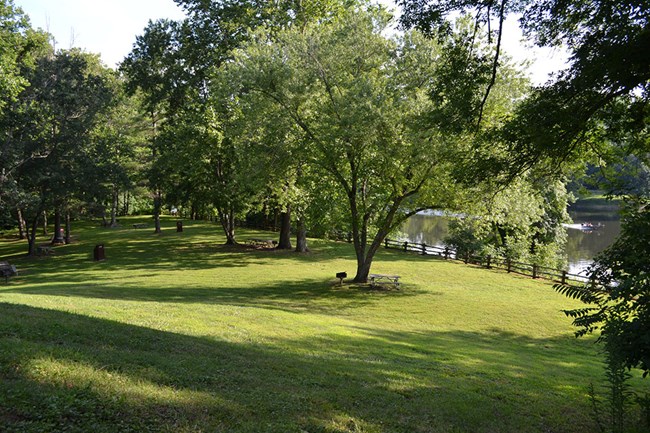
(349,237)
(563,277)
(446,253)
(509,264)
(406,245)
(386,243)
(489,264)
(424,249)
(534,271)
(467,258)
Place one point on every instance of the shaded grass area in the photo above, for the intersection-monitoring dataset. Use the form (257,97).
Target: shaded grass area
(176,332)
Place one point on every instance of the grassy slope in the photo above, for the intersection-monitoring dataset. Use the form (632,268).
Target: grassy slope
(175,332)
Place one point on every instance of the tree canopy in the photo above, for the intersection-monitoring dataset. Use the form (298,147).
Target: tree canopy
(606,82)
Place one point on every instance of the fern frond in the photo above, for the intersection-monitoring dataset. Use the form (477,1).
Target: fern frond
(581,312)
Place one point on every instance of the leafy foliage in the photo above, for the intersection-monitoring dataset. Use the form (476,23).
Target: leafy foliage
(522,222)
(619,298)
(19,44)
(609,69)
(20,47)
(618,305)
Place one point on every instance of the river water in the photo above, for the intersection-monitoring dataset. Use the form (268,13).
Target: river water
(582,243)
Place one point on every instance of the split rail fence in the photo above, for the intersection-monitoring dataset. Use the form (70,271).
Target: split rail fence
(489,262)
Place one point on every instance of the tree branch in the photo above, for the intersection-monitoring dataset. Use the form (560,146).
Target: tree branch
(495,63)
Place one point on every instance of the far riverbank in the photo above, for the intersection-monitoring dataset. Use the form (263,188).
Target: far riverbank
(583,243)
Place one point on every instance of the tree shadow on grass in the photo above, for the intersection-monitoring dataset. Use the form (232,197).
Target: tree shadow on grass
(309,295)
(68,372)
(156,252)
(129,269)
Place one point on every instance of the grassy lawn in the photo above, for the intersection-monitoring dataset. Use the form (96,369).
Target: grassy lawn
(176,332)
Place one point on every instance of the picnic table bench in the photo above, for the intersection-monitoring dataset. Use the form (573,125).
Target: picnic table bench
(7,270)
(140,226)
(377,280)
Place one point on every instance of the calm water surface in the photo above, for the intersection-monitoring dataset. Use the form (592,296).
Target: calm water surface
(582,245)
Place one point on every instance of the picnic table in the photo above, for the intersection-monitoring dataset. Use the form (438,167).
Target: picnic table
(257,242)
(7,270)
(377,280)
(45,250)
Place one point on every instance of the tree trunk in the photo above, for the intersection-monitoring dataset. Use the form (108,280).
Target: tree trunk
(359,237)
(366,253)
(44,223)
(156,211)
(22,226)
(227,219)
(366,256)
(363,270)
(301,237)
(57,238)
(125,206)
(265,223)
(114,208)
(67,227)
(31,236)
(285,231)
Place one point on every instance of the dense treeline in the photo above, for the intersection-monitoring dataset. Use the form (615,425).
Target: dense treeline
(309,111)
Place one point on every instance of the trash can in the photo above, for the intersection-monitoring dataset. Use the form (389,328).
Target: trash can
(98,253)
(179,226)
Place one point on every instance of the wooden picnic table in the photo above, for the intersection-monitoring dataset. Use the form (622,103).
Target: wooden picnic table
(45,250)
(7,270)
(257,242)
(383,279)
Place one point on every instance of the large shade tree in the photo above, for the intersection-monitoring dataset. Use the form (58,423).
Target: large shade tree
(20,47)
(364,103)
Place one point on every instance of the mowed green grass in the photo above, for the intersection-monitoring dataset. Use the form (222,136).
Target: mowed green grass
(179,333)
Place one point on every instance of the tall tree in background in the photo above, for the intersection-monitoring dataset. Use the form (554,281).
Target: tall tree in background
(16,40)
(67,91)
(173,64)
(153,69)
(20,47)
(112,162)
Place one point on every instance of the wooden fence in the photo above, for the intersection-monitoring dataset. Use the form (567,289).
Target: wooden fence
(511,266)
(532,270)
